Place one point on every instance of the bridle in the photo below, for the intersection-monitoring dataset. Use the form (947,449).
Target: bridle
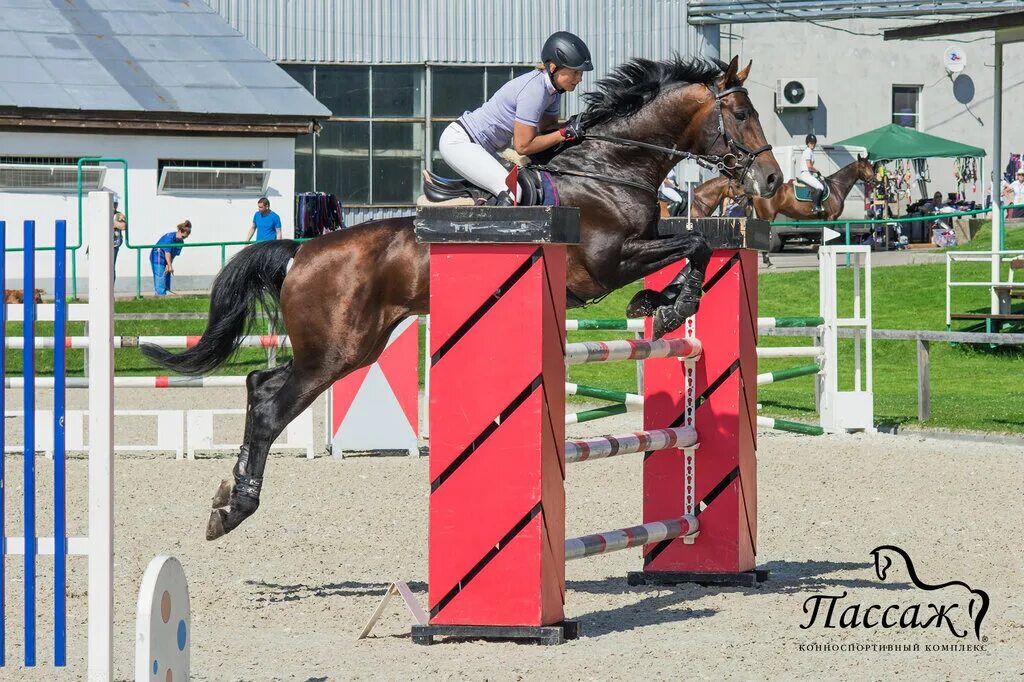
(738,157)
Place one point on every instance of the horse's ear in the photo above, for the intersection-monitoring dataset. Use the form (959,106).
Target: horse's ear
(729,77)
(742,75)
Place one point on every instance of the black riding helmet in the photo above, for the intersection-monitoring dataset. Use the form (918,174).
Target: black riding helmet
(811,138)
(566,50)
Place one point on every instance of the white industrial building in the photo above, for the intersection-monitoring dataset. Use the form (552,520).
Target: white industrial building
(204,122)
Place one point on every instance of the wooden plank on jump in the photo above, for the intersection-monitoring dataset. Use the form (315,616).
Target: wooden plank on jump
(722,233)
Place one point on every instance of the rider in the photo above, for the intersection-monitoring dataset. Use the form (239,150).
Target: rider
(669,191)
(517,113)
(810,176)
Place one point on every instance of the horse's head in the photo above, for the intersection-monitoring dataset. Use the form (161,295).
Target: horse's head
(731,128)
(865,169)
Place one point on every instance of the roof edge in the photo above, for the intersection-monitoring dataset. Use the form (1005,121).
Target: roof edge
(154,123)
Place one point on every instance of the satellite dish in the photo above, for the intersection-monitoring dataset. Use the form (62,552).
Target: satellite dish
(794,92)
(955,60)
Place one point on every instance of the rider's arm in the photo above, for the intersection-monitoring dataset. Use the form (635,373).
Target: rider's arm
(527,140)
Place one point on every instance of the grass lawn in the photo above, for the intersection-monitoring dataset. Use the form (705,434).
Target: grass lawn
(973,388)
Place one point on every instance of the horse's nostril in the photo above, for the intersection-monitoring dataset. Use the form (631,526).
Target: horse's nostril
(773,181)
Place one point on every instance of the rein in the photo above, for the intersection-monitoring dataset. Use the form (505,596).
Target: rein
(728,163)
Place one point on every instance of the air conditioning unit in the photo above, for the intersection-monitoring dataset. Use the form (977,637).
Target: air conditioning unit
(796,93)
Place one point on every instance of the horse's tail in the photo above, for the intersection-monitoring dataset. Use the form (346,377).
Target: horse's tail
(250,281)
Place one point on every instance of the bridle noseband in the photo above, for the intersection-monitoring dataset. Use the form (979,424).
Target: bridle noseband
(737,158)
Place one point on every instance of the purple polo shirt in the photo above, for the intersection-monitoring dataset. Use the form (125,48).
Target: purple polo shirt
(524,99)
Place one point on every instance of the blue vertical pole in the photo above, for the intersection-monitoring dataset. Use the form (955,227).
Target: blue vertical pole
(28,373)
(3,441)
(60,540)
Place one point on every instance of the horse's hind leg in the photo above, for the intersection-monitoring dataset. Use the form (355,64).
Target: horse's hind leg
(253,382)
(273,405)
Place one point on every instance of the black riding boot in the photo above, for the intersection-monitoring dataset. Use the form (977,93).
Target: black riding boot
(817,195)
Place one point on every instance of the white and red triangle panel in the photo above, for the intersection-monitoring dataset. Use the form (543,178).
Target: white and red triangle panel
(377,407)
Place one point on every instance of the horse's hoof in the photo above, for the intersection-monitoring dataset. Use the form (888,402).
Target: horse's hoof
(666,320)
(222,497)
(215,528)
(644,303)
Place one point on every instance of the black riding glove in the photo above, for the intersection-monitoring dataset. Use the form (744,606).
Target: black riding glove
(573,128)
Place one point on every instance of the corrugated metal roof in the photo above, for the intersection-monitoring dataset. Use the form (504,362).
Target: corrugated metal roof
(138,55)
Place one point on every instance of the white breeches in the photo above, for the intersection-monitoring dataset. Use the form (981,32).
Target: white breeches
(672,194)
(472,161)
(811,180)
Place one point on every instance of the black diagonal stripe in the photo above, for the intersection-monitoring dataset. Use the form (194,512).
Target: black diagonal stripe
(701,506)
(486,559)
(487,305)
(721,272)
(703,397)
(486,433)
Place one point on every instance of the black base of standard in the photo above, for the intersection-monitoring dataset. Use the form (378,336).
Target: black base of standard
(747,579)
(543,634)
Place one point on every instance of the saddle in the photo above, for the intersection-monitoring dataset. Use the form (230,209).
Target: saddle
(803,193)
(534,185)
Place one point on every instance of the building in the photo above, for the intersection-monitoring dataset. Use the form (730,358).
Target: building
(855,82)
(395,73)
(203,121)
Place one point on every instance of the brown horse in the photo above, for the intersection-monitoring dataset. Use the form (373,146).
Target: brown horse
(709,195)
(346,291)
(839,184)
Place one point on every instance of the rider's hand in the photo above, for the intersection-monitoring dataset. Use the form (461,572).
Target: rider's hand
(573,129)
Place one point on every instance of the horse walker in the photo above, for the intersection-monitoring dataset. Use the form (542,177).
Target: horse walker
(497,546)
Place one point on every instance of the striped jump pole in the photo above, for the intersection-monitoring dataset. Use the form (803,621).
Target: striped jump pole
(137,382)
(134,341)
(792,427)
(789,322)
(637,536)
(789,373)
(627,325)
(629,349)
(599,413)
(641,441)
(790,351)
(604,394)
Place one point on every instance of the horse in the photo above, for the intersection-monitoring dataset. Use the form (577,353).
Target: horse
(345,292)
(708,196)
(839,185)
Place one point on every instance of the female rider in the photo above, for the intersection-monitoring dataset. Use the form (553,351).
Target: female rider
(809,174)
(517,113)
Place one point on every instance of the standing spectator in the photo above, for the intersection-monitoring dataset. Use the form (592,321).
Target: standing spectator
(266,224)
(120,225)
(1013,192)
(162,258)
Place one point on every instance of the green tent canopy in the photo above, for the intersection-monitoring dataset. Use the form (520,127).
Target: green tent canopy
(898,142)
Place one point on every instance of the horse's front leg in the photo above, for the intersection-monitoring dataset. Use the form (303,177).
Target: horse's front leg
(680,299)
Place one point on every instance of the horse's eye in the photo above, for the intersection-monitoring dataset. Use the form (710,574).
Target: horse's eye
(741,116)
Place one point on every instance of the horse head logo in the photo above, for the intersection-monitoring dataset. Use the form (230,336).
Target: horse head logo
(976,608)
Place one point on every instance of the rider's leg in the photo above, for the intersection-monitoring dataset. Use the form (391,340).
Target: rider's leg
(472,161)
(817,189)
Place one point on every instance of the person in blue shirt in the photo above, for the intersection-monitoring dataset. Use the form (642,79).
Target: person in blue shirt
(266,224)
(162,257)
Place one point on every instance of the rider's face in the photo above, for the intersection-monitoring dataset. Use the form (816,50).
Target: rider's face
(568,79)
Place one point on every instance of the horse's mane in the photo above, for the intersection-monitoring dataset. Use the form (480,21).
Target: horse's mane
(631,85)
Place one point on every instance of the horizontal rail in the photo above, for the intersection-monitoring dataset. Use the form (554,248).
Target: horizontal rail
(629,349)
(136,382)
(789,351)
(134,341)
(912,335)
(788,373)
(604,394)
(781,322)
(641,441)
(635,324)
(636,536)
(793,427)
(600,413)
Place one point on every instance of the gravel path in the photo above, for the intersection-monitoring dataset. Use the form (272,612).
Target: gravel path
(284,596)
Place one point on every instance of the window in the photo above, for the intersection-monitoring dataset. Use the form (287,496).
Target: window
(457,89)
(372,149)
(57,175)
(201,176)
(906,105)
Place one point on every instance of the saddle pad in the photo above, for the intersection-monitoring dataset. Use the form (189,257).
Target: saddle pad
(803,193)
(548,187)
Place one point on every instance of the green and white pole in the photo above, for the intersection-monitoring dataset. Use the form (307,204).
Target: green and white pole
(784,322)
(794,427)
(789,373)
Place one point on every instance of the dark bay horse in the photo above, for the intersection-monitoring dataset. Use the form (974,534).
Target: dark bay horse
(839,183)
(347,290)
